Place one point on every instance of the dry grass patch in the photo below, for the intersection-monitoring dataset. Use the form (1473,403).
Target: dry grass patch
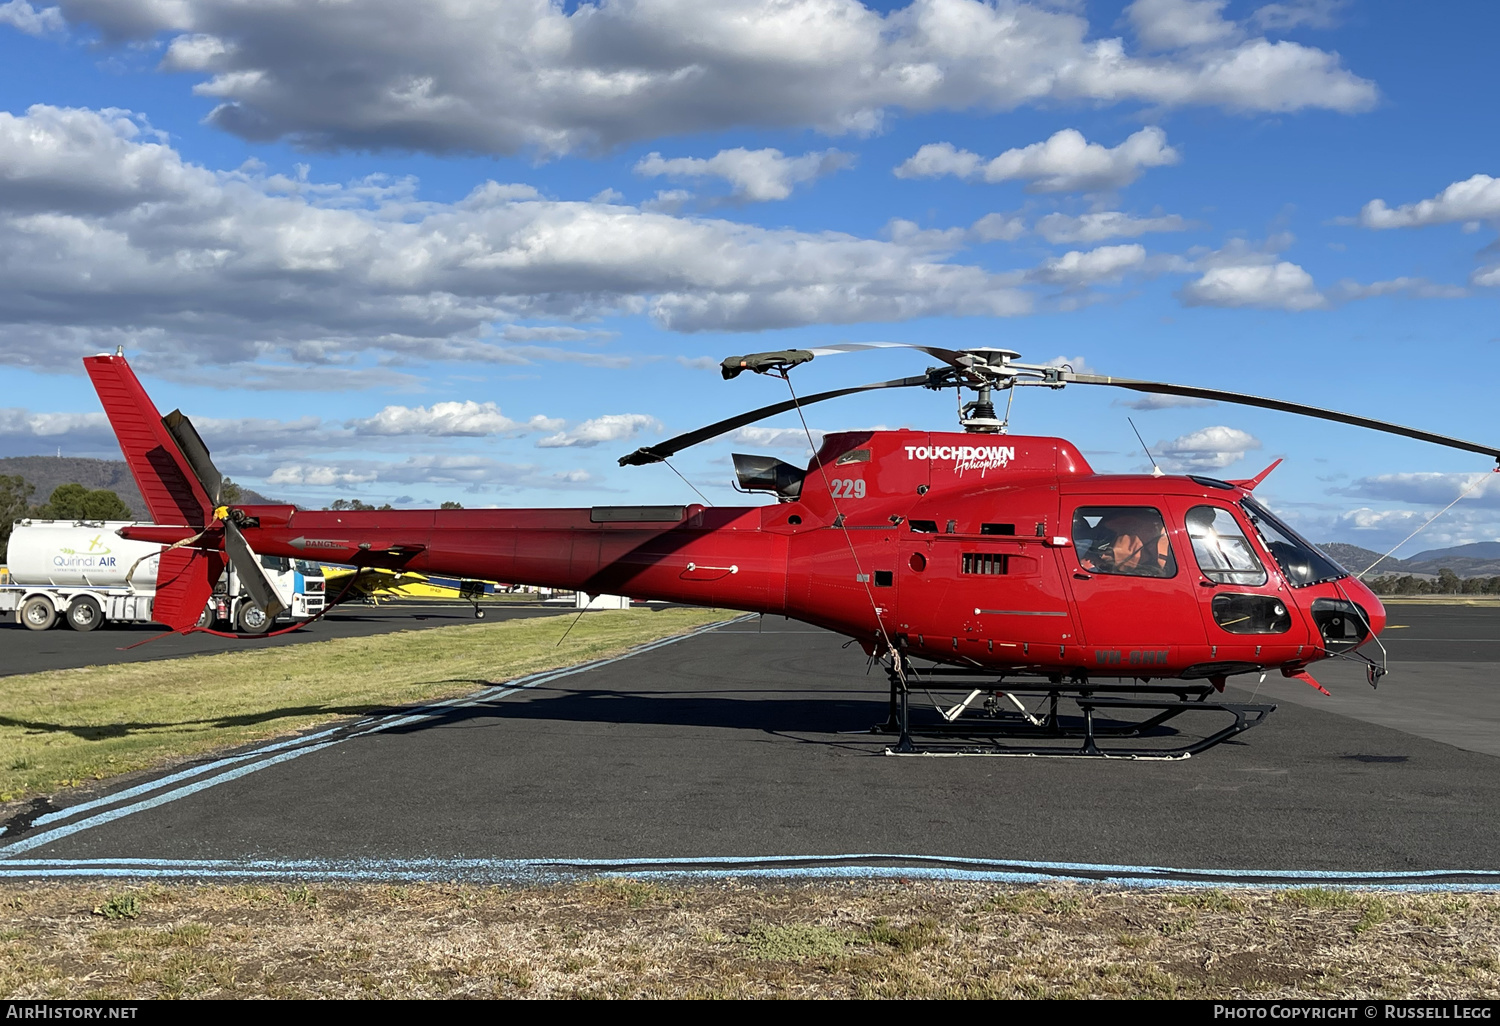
(64,728)
(630,938)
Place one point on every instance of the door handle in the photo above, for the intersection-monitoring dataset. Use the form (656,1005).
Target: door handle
(1207,584)
(1081,576)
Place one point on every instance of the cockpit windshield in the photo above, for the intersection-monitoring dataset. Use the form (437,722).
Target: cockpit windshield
(1302,562)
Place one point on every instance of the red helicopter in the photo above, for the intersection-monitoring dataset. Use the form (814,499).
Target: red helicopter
(1026,579)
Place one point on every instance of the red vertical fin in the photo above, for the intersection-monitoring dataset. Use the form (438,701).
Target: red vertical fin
(184,582)
(172,493)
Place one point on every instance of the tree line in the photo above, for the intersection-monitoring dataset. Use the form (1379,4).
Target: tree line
(67,502)
(1447,583)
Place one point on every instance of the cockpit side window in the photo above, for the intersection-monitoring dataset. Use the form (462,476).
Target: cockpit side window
(1127,540)
(1221,548)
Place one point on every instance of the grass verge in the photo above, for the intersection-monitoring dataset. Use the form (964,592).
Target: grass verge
(64,728)
(630,938)
(1440,600)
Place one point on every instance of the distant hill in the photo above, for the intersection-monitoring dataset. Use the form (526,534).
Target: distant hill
(1488,550)
(45,473)
(1476,559)
(1355,558)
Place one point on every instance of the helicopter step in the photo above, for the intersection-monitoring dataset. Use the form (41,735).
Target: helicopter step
(1030,721)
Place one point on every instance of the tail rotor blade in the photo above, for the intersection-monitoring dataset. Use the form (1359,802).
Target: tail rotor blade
(252,577)
(195,452)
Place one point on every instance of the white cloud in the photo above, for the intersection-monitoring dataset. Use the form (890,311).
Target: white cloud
(1278,286)
(668,201)
(612,427)
(107,237)
(1066,162)
(1210,448)
(1318,14)
(495,77)
(1427,488)
(17,421)
(1078,268)
(1421,288)
(1474,199)
(553,333)
(1103,225)
(1242,275)
(34,21)
(753,175)
(794,439)
(1077,364)
(440,420)
(318,476)
(1175,24)
(27,433)
(1366,519)
(935,160)
(998,228)
(479,473)
(1487,276)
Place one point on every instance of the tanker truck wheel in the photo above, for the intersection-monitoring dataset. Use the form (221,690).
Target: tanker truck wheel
(206,618)
(252,619)
(38,613)
(84,614)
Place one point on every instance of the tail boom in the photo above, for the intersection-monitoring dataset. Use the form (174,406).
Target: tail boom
(710,557)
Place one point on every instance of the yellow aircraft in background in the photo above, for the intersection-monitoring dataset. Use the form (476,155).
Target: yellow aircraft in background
(372,585)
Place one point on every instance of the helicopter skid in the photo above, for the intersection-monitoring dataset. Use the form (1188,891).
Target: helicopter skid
(1000,731)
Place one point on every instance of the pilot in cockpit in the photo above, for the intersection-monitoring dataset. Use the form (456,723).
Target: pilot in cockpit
(1132,542)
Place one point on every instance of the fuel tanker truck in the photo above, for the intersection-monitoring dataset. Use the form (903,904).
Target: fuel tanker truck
(84,574)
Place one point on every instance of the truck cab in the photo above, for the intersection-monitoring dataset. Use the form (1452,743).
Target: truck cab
(299,584)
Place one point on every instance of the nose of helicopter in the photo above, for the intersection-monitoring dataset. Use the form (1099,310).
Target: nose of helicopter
(1360,594)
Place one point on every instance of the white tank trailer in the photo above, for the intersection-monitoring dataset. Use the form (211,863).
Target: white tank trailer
(75,571)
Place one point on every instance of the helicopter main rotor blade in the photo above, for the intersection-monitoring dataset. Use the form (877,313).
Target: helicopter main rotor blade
(1280,405)
(784,360)
(662,450)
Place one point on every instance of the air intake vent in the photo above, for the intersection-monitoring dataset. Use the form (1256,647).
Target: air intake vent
(986,563)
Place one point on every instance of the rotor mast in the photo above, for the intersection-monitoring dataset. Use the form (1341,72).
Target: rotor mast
(984,370)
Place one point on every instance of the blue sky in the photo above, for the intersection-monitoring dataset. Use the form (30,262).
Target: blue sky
(417,250)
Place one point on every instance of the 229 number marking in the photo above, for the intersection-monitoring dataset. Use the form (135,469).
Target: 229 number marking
(849,488)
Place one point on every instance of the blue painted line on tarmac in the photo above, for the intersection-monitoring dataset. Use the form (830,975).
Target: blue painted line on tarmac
(748,867)
(404,718)
(187,774)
